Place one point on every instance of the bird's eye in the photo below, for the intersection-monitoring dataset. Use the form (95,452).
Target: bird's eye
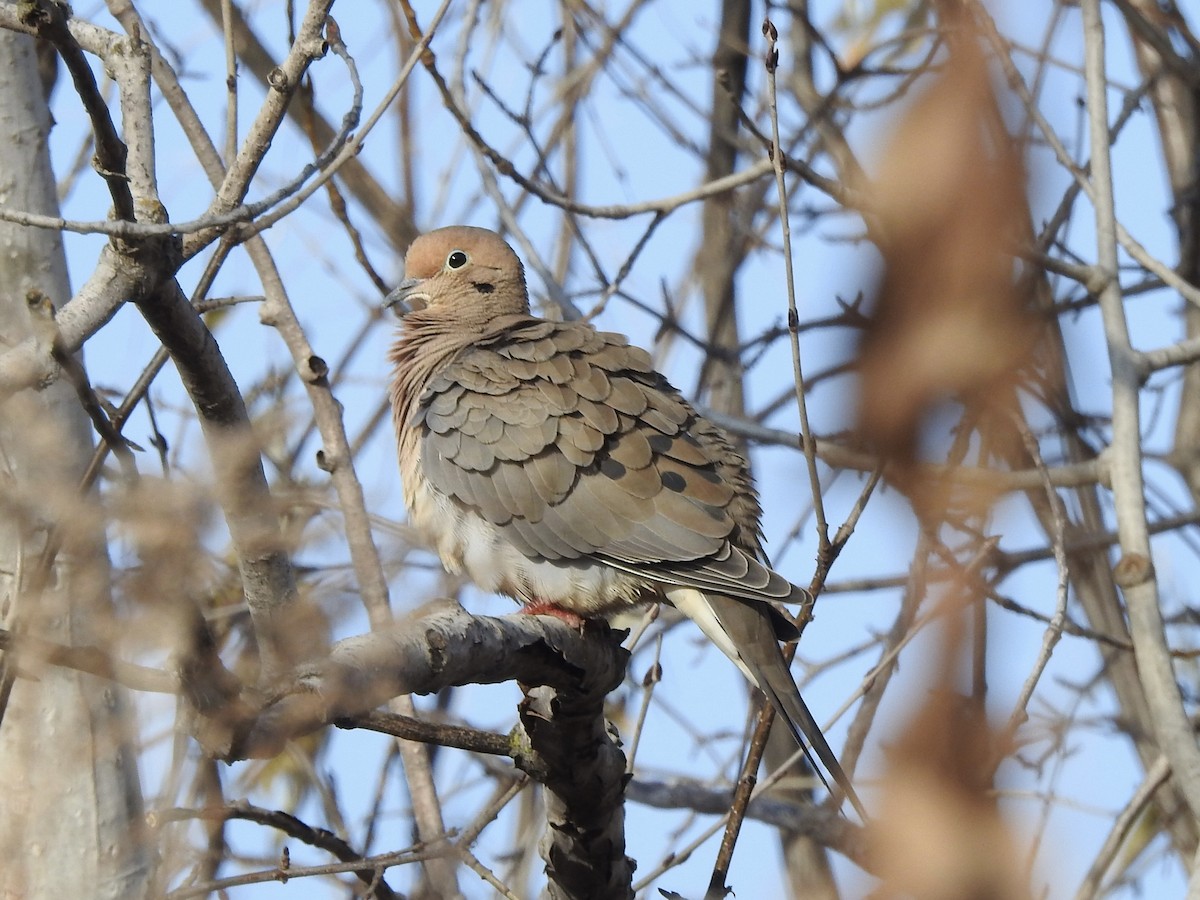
(456,260)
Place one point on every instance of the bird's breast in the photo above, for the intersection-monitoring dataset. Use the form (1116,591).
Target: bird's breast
(469,545)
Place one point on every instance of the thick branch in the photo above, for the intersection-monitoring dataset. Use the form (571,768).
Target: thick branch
(441,646)
(584,845)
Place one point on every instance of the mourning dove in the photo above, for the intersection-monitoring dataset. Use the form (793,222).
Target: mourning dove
(550,462)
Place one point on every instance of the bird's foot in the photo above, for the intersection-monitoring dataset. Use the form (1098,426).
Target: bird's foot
(542,608)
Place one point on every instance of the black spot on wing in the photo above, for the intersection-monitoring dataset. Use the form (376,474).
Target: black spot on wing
(673,481)
(612,469)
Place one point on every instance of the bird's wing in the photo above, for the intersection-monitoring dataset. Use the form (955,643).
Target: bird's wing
(744,632)
(570,443)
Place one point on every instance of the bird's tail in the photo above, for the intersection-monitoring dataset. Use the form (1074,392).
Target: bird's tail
(744,632)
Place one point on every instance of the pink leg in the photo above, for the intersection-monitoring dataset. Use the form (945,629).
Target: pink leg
(541,608)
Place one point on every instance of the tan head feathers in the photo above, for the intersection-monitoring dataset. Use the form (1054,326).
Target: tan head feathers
(462,270)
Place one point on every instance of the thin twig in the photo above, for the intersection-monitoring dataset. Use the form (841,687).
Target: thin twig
(1156,776)
(808,445)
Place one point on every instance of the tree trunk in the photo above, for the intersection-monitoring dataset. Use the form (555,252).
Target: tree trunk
(71,820)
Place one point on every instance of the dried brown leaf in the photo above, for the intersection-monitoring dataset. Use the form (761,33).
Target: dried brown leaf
(940,834)
(948,208)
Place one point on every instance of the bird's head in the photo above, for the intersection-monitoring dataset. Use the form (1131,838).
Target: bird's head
(461,272)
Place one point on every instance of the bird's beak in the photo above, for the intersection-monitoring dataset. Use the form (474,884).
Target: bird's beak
(406,297)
